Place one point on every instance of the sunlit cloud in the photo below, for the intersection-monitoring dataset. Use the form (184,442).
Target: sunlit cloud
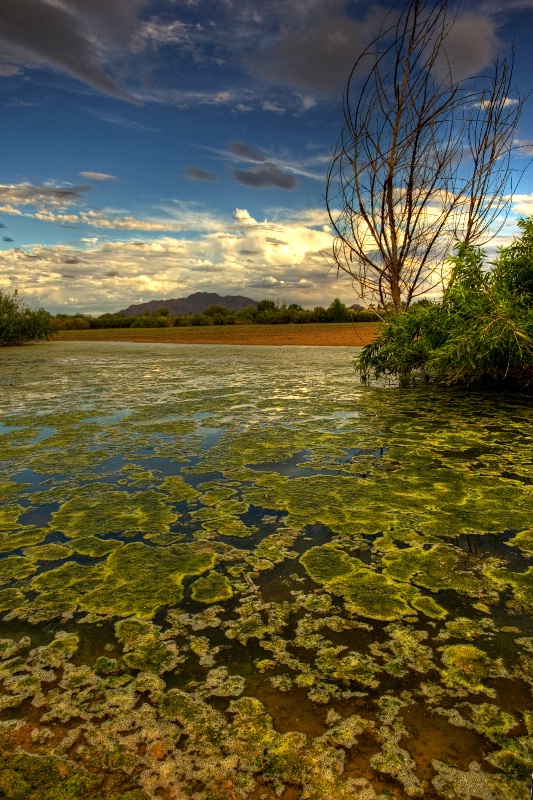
(235,255)
(98,176)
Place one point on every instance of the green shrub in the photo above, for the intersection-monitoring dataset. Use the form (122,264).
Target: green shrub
(481,330)
(19,324)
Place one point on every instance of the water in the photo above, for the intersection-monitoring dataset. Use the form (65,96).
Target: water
(226,576)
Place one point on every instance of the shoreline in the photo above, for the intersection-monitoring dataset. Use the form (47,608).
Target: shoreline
(327,334)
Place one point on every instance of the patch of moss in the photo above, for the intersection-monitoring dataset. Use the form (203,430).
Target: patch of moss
(138,579)
(25,537)
(214,588)
(428,606)
(365,592)
(523,540)
(325,564)
(520,582)
(48,552)
(9,517)
(491,721)
(466,667)
(94,547)
(130,513)
(15,568)
(352,666)
(434,568)
(177,490)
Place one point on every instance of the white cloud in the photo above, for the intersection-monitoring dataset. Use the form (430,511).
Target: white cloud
(98,176)
(232,256)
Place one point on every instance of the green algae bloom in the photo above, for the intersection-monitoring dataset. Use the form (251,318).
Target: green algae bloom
(214,588)
(144,512)
(239,583)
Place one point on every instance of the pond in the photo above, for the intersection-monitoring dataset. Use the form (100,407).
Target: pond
(237,572)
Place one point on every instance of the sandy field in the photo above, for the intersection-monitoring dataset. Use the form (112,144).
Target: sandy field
(316,334)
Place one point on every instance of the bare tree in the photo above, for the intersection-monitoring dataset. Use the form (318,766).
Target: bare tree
(423,159)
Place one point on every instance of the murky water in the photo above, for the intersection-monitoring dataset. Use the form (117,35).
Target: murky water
(238,573)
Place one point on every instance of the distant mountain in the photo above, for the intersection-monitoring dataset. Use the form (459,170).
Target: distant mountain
(193,304)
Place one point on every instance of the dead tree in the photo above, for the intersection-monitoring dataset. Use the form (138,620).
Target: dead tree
(422,161)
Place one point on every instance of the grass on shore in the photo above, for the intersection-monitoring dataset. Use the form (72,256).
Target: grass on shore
(315,334)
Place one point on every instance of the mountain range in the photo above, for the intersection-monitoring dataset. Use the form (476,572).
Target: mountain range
(193,304)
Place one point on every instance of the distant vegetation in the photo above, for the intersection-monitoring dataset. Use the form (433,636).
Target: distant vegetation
(481,330)
(266,313)
(19,323)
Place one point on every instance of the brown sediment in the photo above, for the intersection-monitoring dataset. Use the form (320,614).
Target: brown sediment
(340,334)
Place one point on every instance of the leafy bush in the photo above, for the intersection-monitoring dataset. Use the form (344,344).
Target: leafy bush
(19,324)
(481,330)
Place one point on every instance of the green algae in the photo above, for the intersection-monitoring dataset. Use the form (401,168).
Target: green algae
(93,546)
(9,516)
(428,606)
(15,568)
(466,667)
(25,537)
(48,552)
(139,580)
(214,588)
(325,564)
(177,490)
(124,512)
(443,471)
(523,540)
(365,592)
(435,568)
(10,599)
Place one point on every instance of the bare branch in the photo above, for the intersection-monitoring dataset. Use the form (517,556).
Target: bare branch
(422,160)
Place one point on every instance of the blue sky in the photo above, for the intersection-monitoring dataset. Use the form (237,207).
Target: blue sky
(153,148)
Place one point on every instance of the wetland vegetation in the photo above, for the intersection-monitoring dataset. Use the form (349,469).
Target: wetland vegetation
(225,578)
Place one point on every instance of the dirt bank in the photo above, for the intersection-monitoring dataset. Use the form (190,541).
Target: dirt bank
(327,334)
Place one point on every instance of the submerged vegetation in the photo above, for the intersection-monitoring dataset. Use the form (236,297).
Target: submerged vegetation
(482,329)
(246,583)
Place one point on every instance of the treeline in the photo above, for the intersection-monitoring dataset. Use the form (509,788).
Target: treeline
(267,312)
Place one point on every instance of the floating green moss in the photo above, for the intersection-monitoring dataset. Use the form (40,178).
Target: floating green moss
(9,516)
(466,667)
(25,537)
(435,568)
(15,568)
(368,593)
(138,579)
(48,552)
(523,540)
(143,512)
(94,547)
(10,599)
(177,490)
(214,588)
(325,564)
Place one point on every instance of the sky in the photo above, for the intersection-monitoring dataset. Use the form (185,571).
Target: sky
(155,148)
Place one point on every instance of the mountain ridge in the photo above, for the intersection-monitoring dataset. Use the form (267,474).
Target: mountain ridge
(195,303)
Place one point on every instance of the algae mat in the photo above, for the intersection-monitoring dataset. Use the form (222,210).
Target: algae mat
(238,573)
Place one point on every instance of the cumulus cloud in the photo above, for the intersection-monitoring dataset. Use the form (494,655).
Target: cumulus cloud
(198,174)
(79,37)
(98,176)
(264,176)
(238,255)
